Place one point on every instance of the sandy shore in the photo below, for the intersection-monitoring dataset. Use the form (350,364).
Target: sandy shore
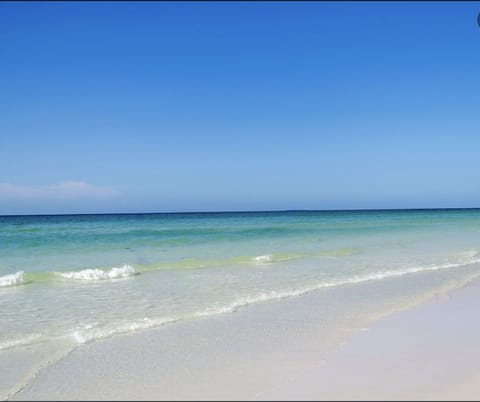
(274,351)
(429,352)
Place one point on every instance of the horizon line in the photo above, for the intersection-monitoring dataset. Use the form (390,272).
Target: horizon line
(244,211)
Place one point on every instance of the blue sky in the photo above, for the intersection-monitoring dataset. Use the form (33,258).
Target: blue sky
(131,107)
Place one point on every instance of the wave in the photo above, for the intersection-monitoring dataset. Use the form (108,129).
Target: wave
(193,263)
(12,279)
(276,295)
(262,258)
(90,333)
(27,340)
(98,274)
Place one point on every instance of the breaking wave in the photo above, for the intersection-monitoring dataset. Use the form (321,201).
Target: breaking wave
(90,332)
(262,258)
(98,274)
(12,279)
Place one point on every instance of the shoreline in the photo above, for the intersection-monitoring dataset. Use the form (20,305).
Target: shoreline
(273,351)
(427,352)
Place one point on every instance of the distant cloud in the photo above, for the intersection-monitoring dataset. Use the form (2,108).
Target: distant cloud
(67,190)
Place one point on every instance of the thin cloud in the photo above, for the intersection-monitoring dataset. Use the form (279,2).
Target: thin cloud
(67,190)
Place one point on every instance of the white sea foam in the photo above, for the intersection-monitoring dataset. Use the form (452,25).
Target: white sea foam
(90,332)
(11,279)
(263,258)
(27,340)
(98,274)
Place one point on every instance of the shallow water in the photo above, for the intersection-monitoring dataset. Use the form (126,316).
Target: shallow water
(68,280)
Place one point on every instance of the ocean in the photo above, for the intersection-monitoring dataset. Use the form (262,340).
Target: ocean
(67,280)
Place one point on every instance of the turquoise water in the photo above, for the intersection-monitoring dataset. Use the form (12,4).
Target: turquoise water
(68,280)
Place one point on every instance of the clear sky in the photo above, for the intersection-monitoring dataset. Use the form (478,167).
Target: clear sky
(157,107)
